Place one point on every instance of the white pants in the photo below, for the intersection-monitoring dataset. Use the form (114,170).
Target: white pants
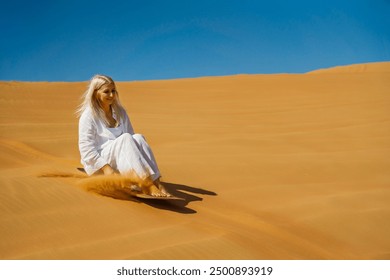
(131,153)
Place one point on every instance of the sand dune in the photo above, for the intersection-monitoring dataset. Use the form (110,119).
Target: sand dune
(289,166)
(376,67)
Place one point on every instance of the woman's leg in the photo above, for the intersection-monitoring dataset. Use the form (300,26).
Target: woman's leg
(149,156)
(129,154)
(125,156)
(147,153)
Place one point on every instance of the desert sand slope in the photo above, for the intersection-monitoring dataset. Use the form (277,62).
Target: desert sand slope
(375,67)
(271,167)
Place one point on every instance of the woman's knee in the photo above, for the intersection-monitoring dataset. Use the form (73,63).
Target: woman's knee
(138,137)
(125,137)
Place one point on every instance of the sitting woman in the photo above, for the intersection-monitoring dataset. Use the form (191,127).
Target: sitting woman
(107,141)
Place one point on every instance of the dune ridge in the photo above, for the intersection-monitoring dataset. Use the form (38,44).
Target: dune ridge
(284,166)
(373,67)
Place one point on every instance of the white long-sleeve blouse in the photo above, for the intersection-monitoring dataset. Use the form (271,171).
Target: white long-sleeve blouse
(94,136)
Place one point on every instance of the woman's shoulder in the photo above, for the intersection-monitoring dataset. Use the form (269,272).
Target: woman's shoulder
(86,115)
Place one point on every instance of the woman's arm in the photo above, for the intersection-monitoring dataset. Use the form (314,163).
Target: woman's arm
(128,128)
(90,157)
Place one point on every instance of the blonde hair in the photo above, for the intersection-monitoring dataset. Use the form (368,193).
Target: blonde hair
(90,100)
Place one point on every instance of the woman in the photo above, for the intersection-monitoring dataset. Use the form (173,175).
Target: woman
(107,141)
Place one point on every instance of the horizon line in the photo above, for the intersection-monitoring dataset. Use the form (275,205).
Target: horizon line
(206,76)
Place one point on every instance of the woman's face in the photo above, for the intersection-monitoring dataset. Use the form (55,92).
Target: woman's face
(106,94)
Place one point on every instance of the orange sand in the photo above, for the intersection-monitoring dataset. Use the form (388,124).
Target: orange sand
(289,166)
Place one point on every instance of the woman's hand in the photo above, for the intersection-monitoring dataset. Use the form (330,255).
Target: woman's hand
(108,170)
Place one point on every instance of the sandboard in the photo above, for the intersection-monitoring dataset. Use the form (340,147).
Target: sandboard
(147,196)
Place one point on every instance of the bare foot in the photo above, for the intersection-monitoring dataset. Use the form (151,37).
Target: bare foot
(153,191)
(161,188)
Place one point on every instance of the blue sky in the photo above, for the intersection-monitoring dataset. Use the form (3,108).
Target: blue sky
(130,40)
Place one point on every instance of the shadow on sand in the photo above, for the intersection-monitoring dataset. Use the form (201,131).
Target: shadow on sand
(186,193)
(180,191)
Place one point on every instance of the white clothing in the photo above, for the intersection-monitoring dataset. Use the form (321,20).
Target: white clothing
(119,147)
